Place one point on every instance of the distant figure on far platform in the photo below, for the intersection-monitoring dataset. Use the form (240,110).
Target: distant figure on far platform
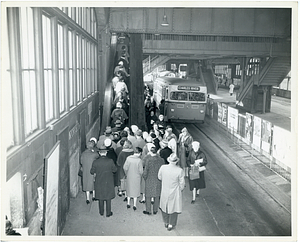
(231,88)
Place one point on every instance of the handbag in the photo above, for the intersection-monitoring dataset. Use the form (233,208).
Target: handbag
(123,184)
(202,168)
(80,171)
(194,173)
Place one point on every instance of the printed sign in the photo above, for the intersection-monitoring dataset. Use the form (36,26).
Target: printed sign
(188,88)
(257,131)
(266,135)
(51,191)
(233,118)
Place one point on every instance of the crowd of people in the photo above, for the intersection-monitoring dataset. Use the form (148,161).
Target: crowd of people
(147,163)
(145,167)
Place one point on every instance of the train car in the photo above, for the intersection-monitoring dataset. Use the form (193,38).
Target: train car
(185,99)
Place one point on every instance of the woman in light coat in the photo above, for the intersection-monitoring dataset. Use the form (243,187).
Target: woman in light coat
(133,168)
(86,160)
(173,183)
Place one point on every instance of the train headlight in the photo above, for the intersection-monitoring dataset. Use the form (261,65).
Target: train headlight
(172,109)
(201,111)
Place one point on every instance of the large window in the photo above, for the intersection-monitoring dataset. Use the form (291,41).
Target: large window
(28,70)
(46,61)
(180,96)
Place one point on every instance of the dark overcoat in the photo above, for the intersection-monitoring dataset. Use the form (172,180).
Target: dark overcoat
(200,182)
(104,168)
(86,160)
(152,183)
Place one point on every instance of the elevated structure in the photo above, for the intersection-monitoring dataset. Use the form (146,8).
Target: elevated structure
(213,35)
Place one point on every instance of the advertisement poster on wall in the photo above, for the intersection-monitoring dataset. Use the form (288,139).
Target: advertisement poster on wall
(233,118)
(220,112)
(282,146)
(266,128)
(249,128)
(256,132)
(224,114)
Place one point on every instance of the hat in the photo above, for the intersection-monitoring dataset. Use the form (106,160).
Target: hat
(107,142)
(184,129)
(119,105)
(118,121)
(173,158)
(90,145)
(139,132)
(134,128)
(145,135)
(93,139)
(149,139)
(169,127)
(108,130)
(195,145)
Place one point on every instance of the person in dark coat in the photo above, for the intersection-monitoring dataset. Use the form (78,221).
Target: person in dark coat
(86,160)
(126,151)
(165,151)
(152,185)
(196,159)
(112,155)
(103,169)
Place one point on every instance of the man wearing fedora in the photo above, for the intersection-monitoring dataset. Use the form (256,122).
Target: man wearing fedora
(172,177)
(103,169)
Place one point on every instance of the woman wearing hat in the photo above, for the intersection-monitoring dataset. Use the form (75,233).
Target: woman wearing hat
(196,159)
(133,168)
(126,151)
(173,183)
(184,144)
(152,185)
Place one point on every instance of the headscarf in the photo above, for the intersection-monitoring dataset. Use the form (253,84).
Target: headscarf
(195,146)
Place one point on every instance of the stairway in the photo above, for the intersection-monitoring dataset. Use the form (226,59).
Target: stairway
(209,79)
(275,70)
(156,61)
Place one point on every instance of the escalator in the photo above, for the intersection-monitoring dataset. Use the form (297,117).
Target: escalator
(109,93)
(208,77)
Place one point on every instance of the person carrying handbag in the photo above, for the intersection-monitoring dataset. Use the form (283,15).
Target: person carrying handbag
(196,162)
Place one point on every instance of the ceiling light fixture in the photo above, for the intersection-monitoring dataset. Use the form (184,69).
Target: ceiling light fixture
(165,21)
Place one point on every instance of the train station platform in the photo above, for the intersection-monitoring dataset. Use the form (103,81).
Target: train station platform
(129,225)
(281,108)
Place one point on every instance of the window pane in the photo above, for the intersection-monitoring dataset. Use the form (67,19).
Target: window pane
(48,81)
(83,56)
(196,96)
(71,87)
(78,77)
(180,96)
(28,70)
(6,85)
(61,69)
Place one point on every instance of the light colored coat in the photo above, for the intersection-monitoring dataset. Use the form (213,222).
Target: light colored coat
(86,160)
(173,183)
(133,168)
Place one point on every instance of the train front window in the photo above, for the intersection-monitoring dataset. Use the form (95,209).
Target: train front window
(196,96)
(179,96)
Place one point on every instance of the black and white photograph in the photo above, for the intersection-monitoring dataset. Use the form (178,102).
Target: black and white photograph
(149,121)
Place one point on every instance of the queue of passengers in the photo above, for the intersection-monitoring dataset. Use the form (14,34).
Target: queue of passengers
(150,165)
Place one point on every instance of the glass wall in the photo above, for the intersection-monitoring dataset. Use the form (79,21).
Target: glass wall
(57,67)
